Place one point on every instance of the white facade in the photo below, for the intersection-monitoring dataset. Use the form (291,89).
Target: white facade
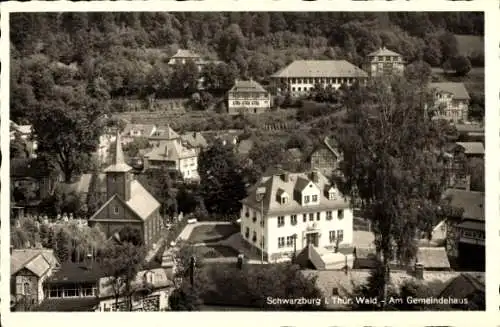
(158,300)
(452,109)
(248,103)
(278,231)
(299,86)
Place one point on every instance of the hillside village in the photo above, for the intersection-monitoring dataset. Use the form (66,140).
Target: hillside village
(209,165)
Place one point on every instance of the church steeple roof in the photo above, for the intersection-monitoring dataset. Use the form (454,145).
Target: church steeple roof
(118,164)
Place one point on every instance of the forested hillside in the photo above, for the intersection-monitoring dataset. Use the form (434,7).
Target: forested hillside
(124,55)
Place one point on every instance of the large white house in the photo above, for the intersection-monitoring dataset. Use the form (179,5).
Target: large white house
(248,97)
(301,76)
(299,209)
(452,100)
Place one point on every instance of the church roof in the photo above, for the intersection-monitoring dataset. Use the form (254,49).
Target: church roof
(118,165)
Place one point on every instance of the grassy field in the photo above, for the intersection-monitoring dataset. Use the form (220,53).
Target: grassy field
(474,81)
(212,233)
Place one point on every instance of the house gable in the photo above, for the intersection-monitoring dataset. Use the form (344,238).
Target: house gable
(115,209)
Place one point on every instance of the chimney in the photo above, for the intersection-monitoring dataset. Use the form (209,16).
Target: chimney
(285,176)
(315,176)
(419,271)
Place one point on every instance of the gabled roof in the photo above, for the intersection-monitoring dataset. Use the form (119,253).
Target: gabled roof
(471,202)
(141,202)
(118,164)
(383,52)
(70,273)
(321,68)
(195,139)
(329,144)
(472,147)
(463,286)
(169,150)
(146,129)
(296,181)
(164,133)
(38,261)
(458,90)
(247,86)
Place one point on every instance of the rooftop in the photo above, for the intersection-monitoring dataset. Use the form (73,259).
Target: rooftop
(247,86)
(433,258)
(169,150)
(70,273)
(184,53)
(277,183)
(321,68)
(458,90)
(472,147)
(471,202)
(194,139)
(38,261)
(145,129)
(383,52)
(164,133)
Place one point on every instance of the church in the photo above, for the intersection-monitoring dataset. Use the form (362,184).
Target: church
(128,202)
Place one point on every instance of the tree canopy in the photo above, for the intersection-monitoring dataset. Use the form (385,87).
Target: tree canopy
(391,164)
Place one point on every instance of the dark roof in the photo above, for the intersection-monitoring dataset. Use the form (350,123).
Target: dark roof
(471,202)
(463,286)
(76,273)
(69,305)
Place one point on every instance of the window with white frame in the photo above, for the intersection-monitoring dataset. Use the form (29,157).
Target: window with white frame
(281,242)
(304,217)
(307,199)
(328,215)
(314,198)
(340,235)
(311,216)
(293,220)
(340,214)
(318,216)
(331,235)
(281,221)
(289,241)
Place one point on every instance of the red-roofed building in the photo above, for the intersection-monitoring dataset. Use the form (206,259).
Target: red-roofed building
(128,202)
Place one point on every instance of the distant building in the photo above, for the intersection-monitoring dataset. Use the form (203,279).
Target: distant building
(325,157)
(466,286)
(29,268)
(384,62)
(452,101)
(248,97)
(182,56)
(163,133)
(151,291)
(133,131)
(25,134)
(300,209)
(174,156)
(301,76)
(195,140)
(128,202)
(466,236)
(73,287)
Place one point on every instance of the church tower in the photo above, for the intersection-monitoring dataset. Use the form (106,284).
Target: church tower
(118,175)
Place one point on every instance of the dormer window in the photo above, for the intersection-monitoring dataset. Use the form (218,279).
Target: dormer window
(284,199)
(332,193)
(115,210)
(307,199)
(314,198)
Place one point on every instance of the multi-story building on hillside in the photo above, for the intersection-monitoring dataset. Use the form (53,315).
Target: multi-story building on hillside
(248,97)
(384,62)
(301,76)
(286,212)
(325,157)
(451,101)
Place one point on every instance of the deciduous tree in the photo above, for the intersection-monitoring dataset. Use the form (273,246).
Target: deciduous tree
(391,165)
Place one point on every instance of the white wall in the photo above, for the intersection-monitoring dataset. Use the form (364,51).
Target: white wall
(272,232)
